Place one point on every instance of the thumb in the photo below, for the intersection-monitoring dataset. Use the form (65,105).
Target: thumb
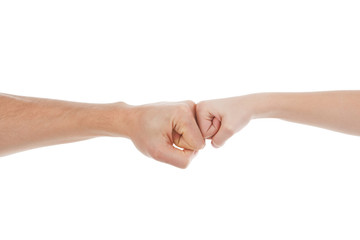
(186,134)
(224,133)
(173,156)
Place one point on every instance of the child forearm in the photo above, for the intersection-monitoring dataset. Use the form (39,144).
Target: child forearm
(336,110)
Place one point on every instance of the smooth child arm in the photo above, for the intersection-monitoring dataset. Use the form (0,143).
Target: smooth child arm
(334,110)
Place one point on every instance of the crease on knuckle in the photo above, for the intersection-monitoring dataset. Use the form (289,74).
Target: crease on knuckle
(183,108)
(200,106)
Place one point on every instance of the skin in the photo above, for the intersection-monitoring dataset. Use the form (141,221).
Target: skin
(336,110)
(27,123)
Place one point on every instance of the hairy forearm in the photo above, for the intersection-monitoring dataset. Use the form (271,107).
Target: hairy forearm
(336,110)
(27,123)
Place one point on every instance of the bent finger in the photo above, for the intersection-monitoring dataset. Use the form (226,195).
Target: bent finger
(224,133)
(208,123)
(190,134)
(176,157)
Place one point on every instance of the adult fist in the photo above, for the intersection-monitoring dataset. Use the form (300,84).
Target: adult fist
(155,128)
(221,118)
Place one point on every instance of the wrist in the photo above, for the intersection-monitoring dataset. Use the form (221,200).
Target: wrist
(265,105)
(121,119)
(112,119)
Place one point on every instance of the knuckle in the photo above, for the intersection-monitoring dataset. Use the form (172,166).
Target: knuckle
(199,146)
(201,105)
(202,108)
(198,142)
(190,103)
(184,109)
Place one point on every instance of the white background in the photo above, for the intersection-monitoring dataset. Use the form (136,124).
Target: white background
(273,180)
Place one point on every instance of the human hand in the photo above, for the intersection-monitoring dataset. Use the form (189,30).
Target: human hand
(154,128)
(221,118)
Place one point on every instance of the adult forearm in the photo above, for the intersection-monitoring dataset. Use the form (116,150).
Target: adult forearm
(335,110)
(27,123)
